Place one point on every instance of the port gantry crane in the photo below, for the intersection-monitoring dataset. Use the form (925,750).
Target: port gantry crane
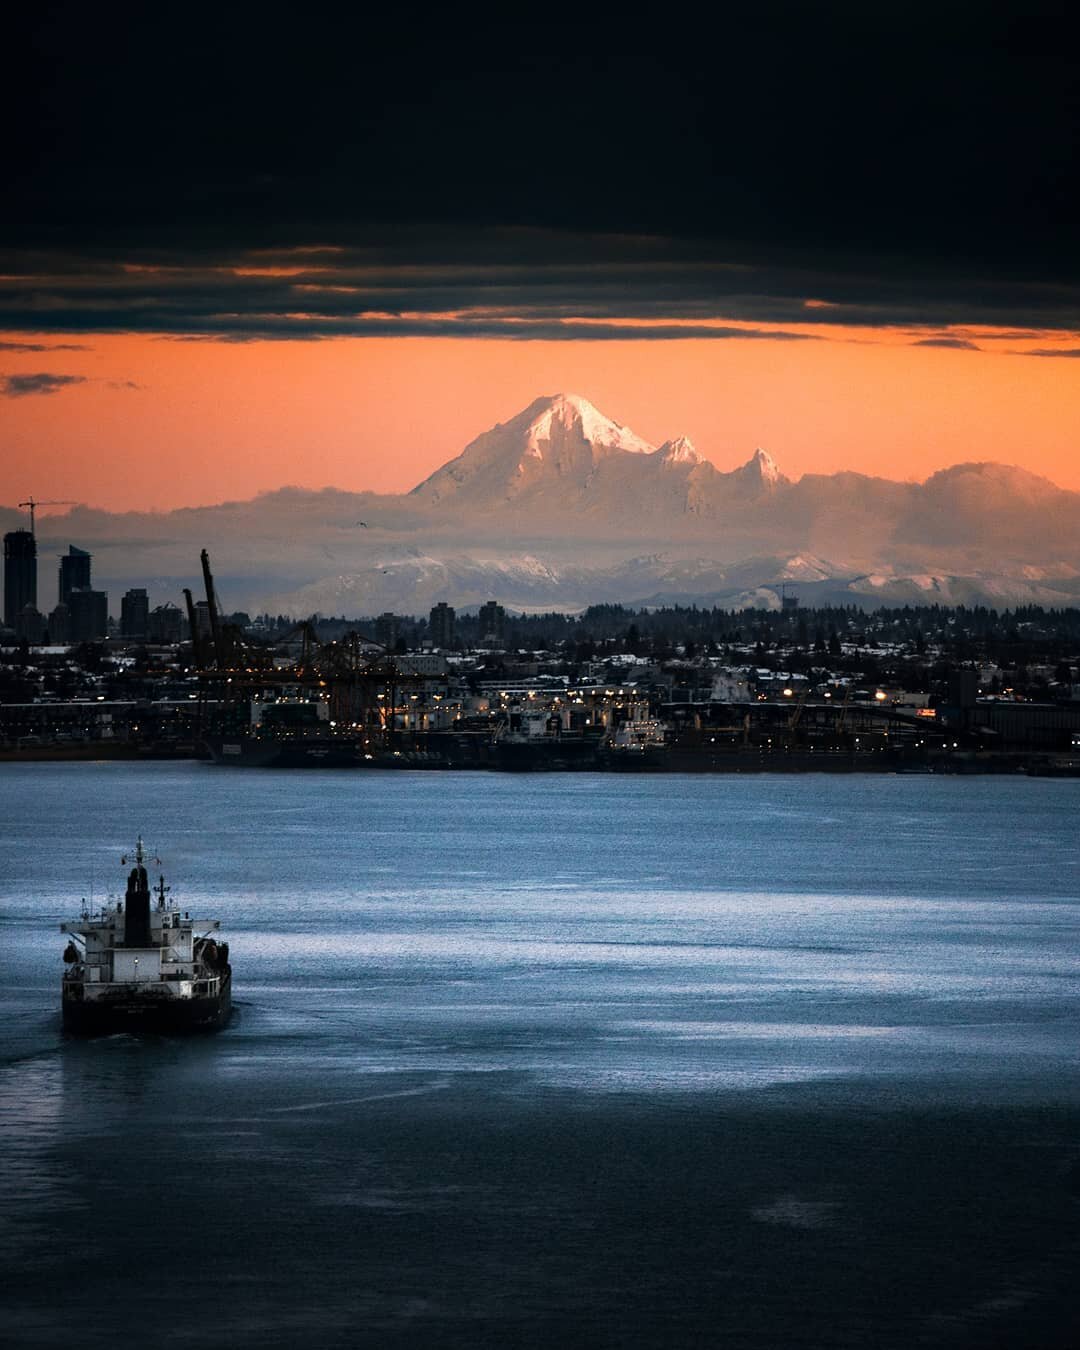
(360,678)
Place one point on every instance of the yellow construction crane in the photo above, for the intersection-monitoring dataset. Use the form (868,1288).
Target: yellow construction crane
(33,505)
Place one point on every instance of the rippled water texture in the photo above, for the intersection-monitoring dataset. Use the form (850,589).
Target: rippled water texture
(555,1060)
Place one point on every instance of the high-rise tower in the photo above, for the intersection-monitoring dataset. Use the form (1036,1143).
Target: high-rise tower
(135,614)
(492,624)
(20,574)
(74,572)
(441,625)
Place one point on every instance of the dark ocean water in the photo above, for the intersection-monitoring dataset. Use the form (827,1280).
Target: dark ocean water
(554,1061)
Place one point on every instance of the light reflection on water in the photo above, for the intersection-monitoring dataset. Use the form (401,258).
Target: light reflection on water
(454,903)
(511,1007)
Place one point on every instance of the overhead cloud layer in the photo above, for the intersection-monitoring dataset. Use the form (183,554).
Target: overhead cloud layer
(841,165)
(558,287)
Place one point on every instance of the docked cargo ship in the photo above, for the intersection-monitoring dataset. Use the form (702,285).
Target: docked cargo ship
(292,752)
(537,740)
(141,964)
(638,744)
(284,734)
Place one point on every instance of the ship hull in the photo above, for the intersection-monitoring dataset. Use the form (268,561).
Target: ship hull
(546,753)
(147,1015)
(327,752)
(324,752)
(640,759)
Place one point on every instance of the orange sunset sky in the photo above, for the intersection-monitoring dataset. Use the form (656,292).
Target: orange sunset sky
(157,422)
(241,255)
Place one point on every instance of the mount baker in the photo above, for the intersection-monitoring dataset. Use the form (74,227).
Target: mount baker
(561,507)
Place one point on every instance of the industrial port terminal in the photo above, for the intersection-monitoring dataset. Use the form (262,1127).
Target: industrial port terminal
(607,690)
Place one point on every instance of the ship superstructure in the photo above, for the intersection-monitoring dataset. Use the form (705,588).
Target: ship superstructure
(535,738)
(141,964)
(640,743)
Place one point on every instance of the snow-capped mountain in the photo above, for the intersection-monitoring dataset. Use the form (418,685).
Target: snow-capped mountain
(679,451)
(412,584)
(561,506)
(760,473)
(561,458)
(562,439)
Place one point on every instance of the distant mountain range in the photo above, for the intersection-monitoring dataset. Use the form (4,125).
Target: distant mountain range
(561,507)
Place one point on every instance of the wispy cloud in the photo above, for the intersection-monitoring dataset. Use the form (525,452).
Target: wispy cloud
(956,344)
(43,382)
(43,347)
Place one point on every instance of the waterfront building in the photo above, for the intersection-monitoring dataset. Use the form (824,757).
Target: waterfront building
(963,688)
(20,574)
(135,614)
(441,622)
(74,572)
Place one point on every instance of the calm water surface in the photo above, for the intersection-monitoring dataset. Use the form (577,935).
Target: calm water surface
(554,1060)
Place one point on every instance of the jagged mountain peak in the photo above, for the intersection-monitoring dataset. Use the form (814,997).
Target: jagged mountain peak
(762,465)
(681,450)
(760,476)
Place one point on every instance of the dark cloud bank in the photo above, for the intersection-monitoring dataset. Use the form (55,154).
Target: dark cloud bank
(457,174)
